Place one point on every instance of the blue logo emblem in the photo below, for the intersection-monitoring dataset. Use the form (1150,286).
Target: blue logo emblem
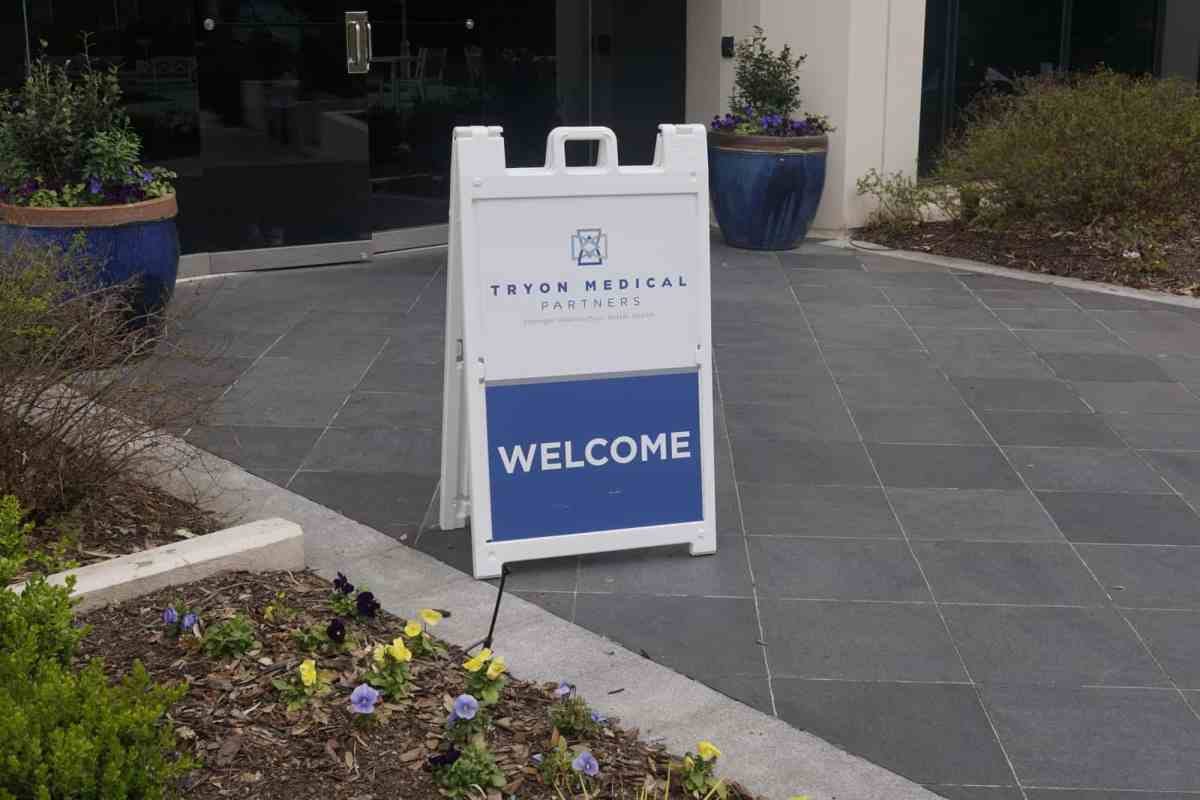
(589,247)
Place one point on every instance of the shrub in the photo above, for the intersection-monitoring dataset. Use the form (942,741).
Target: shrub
(81,400)
(67,734)
(903,202)
(14,534)
(65,140)
(1080,149)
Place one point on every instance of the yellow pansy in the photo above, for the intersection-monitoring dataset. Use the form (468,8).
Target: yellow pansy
(308,672)
(380,654)
(707,751)
(473,664)
(412,629)
(399,652)
(430,616)
(485,655)
(688,763)
(496,668)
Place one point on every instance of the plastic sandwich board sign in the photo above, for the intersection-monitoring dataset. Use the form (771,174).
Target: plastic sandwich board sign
(577,412)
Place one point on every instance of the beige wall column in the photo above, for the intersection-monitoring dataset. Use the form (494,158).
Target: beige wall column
(863,71)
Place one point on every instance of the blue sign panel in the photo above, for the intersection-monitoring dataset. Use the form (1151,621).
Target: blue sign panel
(594,455)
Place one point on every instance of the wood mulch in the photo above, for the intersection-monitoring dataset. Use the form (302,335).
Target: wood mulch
(1087,254)
(249,745)
(129,518)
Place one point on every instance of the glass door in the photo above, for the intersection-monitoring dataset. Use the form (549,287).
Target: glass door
(527,67)
(283,132)
(442,63)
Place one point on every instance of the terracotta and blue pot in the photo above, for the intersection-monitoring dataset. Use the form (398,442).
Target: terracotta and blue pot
(135,243)
(765,189)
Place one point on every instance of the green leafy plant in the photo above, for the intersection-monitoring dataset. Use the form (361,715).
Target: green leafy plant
(306,685)
(230,639)
(554,766)
(696,773)
(65,140)
(390,673)
(472,774)
(278,609)
(416,631)
(572,717)
(486,676)
(72,734)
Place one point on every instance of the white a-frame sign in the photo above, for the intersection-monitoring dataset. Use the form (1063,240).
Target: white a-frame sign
(578,391)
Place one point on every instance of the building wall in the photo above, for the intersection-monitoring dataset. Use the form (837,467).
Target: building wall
(1181,39)
(863,71)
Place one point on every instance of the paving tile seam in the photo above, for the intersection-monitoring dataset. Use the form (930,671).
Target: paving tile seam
(1193,708)
(345,400)
(253,363)
(1078,556)
(762,635)
(911,550)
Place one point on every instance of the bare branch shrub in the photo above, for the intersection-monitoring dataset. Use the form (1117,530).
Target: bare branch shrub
(79,408)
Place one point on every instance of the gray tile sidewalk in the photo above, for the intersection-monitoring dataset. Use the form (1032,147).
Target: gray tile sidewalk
(958,529)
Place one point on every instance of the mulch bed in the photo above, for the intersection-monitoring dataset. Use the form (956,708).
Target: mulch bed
(129,518)
(234,722)
(1070,253)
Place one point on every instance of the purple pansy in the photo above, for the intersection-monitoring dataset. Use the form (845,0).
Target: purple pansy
(94,186)
(170,616)
(586,763)
(465,707)
(363,699)
(564,689)
(189,621)
(336,631)
(343,584)
(366,604)
(598,718)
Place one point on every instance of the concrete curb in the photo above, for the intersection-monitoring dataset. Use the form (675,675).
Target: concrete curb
(769,756)
(270,544)
(979,267)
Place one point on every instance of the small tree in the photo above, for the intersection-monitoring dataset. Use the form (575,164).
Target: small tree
(766,93)
(765,82)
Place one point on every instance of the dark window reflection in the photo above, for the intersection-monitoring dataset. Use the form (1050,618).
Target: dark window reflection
(276,144)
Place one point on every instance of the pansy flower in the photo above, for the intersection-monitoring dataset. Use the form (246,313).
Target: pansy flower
(586,763)
(363,699)
(343,584)
(308,672)
(465,707)
(366,604)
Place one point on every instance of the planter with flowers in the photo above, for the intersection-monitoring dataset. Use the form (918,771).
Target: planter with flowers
(71,175)
(766,160)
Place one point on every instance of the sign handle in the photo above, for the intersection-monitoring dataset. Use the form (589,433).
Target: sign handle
(606,159)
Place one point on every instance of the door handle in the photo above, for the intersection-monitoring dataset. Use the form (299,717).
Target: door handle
(358,43)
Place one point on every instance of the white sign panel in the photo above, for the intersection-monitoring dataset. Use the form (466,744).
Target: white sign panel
(578,388)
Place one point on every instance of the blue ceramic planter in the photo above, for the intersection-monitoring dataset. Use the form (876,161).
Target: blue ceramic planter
(765,189)
(137,241)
